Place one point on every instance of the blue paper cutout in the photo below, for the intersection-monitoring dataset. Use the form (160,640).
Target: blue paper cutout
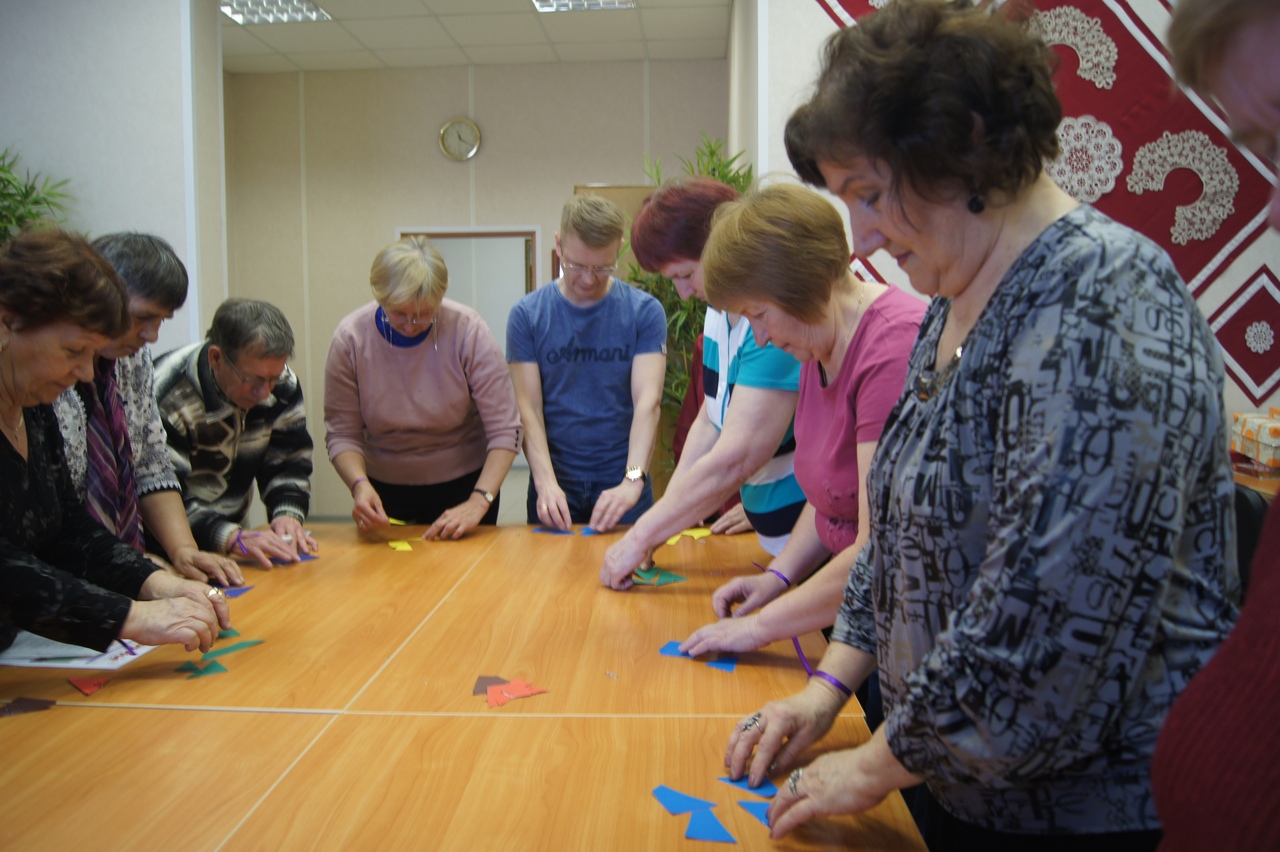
(589,531)
(672,649)
(236,591)
(759,810)
(724,664)
(552,531)
(703,825)
(767,788)
(302,557)
(678,803)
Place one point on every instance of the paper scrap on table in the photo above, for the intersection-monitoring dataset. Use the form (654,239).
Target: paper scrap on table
(767,788)
(484,682)
(88,685)
(396,522)
(231,649)
(678,803)
(400,545)
(759,810)
(725,664)
(589,531)
(302,557)
(18,706)
(32,651)
(501,693)
(694,533)
(236,591)
(646,576)
(666,578)
(552,531)
(672,649)
(227,634)
(703,825)
(213,667)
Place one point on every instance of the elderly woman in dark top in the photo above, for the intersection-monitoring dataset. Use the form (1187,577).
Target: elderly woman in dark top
(64,576)
(1049,559)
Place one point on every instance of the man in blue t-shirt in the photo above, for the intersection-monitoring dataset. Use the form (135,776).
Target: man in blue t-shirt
(587,356)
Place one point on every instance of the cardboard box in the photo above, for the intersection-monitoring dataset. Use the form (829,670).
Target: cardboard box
(1257,436)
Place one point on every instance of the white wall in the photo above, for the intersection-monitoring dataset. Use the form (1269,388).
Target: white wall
(107,95)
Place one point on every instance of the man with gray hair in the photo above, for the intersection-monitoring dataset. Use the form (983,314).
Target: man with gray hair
(588,355)
(233,414)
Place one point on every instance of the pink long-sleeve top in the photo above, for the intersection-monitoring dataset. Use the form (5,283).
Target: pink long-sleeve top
(424,414)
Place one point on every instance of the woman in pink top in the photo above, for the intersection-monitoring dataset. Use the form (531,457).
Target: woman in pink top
(419,410)
(779,257)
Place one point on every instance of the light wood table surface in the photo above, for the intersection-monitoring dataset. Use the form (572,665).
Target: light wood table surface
(353,725)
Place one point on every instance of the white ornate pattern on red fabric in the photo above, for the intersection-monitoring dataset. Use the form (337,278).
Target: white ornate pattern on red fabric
(1067,25)
(1114,68)
(1089,161)
(1193,150)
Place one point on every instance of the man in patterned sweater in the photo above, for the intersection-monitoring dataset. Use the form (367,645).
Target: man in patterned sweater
(233,414)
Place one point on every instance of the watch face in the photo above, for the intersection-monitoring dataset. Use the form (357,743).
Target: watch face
(460,139)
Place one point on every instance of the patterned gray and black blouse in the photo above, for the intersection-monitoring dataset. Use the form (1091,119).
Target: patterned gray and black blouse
(64,576)
(1051,556)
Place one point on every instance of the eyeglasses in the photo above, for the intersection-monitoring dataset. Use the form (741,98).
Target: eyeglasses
(257,382)
(598,271)
(404,317)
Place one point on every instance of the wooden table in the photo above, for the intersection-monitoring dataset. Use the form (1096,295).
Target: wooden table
(353,725)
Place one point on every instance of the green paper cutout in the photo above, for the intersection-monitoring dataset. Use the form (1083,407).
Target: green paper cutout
(227,634)
(230,649)
(214,667)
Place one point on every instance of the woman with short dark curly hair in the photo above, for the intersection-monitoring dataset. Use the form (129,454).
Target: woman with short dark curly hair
(1051,500)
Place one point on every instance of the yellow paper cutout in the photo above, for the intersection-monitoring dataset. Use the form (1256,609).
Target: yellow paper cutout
(400,545)
(396,522)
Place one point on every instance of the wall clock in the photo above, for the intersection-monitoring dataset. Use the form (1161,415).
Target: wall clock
(460,139)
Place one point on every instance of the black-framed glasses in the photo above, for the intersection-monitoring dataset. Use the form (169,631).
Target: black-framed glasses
(257,382)
(598,271)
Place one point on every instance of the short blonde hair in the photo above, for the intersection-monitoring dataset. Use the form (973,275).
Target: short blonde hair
(782,244)
(595,220)
(1200,30)
(407,272)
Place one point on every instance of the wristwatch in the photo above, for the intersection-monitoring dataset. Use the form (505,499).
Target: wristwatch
(635,474)
(485,494)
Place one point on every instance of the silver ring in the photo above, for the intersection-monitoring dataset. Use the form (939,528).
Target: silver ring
(752,721)
(795,779)
(214,593)
(286,538)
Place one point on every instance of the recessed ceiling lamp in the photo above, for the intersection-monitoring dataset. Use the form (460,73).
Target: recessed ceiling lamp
(581,5)
(273,11)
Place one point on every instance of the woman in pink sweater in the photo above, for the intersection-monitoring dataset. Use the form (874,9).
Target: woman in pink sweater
(419,410)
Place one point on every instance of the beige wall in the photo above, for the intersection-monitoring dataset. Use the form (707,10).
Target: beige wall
(324,167)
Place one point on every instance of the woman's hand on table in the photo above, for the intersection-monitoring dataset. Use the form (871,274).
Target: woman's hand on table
(172,610)
(195,564)
(461,519)
(615,502)
(732,522)
(728,634)
(769,741)
(367,511)
(621,560)
(262,546)
(750,593)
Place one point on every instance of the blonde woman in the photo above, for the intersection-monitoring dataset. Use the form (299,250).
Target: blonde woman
(420,414)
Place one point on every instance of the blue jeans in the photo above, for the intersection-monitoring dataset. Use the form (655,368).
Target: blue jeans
(582,497)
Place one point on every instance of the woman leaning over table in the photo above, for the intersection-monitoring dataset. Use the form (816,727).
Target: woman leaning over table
(420,413)
(64,576)
(742,436)
(780,259)
(1051,501)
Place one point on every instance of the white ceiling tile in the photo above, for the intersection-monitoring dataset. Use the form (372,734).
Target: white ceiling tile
(682,23)
(272,64)
(237,42)
(423,58)
(711,48)
(488,30)
(478,7)
(305,37)
(579,27)
(400,33)
(601,51)
(512,55)
(358,60)
(351,10)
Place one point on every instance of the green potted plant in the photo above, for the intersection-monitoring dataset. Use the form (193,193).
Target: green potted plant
(26,198)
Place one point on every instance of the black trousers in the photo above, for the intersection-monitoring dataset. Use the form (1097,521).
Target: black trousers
(422,504)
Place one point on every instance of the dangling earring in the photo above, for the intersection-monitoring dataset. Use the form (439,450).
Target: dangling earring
(977,204)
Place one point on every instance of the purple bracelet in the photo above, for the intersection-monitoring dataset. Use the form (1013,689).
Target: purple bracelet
(779,575)
(835,681)
(357,482)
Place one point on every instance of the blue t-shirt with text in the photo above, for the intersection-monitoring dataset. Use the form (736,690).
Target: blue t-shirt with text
(584,356)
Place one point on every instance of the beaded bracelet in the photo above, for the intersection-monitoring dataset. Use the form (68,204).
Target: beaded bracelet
(779,575)
(835,681)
